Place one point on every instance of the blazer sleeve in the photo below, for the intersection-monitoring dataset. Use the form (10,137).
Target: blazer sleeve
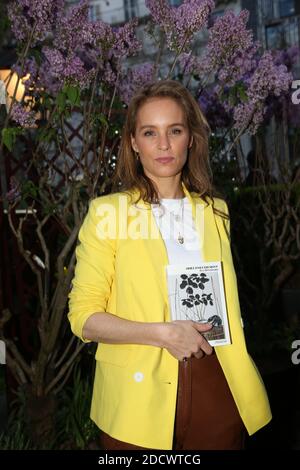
(94,271)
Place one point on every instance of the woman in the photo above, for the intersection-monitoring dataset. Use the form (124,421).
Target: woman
(158,383)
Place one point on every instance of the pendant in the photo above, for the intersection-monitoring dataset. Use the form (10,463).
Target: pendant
(180,239)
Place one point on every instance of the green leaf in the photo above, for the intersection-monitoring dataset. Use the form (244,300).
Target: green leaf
(73,94)
(9,135)
(243,95)
(29,189)
(103,119)
(61,101)
(8,138)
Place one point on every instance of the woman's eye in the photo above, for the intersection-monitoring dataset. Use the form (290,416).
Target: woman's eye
(174,131)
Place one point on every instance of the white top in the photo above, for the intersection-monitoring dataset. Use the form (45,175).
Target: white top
(171,224)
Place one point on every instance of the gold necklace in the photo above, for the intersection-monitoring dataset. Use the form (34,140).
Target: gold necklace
(177,218)
(180,237)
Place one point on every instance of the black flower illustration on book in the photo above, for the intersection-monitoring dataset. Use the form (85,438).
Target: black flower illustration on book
(194,280)
(195,302)
(192,283)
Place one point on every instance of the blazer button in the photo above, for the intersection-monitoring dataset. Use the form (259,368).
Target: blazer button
(138,377)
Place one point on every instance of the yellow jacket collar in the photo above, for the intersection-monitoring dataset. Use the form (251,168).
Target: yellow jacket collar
(205,224)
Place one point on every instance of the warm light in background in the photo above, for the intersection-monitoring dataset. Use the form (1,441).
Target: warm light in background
(10,82)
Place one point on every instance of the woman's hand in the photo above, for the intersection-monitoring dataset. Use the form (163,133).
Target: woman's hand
(183,339)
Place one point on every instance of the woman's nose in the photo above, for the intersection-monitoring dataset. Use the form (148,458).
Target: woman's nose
(163,142)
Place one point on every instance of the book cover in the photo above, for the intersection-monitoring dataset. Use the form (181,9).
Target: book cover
(197,293)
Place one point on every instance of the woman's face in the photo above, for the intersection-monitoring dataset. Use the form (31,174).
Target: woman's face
(161,137)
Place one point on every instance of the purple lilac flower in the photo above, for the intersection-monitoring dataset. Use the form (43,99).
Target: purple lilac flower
(288,57)
(40,14)
(135,78)
(67,69)
(14,191)
(230,50)
(180,23)
(267,80)
(70,27)
(75,30)
(160,11)
(189,18)
(22,116)
(30,71)
(80,47)
(48,81)
(213,109)
(109,73)
(125,41)
(189,63)
(98,34)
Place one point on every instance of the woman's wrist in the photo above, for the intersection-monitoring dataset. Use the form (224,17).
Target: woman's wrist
(161,334)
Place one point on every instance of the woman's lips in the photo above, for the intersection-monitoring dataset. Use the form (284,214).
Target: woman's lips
(164,159)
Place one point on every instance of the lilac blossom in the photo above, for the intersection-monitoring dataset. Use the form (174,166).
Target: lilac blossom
(98,34)
(189,18)
(67,69)
(79,48)
(75,31)
(14,191)
(213,109)
(30,71)
(72,26)
(125,41)
(268,79)
(82,47)
(288,57)
(41,15)
(230,52)
(48,81)
(22,116)
(135,78)
(110,73)
(181,23)
(189,63)
(160,11)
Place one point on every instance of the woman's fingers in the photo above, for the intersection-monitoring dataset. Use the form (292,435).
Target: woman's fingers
(202,328)
(199,354)
(185,339)
(205,346)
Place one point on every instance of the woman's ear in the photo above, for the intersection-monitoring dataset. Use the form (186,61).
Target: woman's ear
(191,142)
(133,143)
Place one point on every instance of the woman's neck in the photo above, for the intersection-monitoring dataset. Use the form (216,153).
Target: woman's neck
(170,191)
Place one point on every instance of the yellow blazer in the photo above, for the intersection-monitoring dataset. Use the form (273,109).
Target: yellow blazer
(135,387)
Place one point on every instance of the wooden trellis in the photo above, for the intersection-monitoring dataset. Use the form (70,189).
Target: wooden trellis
(17,282)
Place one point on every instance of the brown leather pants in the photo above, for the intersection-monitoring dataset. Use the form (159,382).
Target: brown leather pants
(206,414)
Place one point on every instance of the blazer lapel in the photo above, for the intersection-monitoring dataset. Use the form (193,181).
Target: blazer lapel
(205,223)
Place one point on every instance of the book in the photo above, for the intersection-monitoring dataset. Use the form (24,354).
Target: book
(197,293)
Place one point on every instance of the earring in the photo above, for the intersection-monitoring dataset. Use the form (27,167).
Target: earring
(137,155)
